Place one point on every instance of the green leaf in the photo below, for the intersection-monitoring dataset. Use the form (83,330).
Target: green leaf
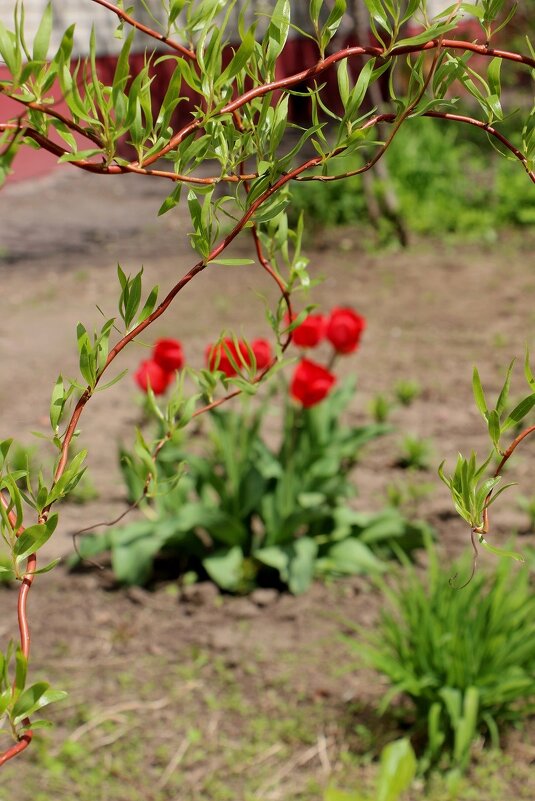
(352,557)
(301,566)
(479,394)
(493,75)
(493,422)
(35,697)
(80,155)
(519,412)
(530,378)
(240,59)
(314,11)
(358,92)
(225,567)
(518,557)
(21,671)
(332,23)
(41,41)
(175,7)
(57,403)
(397,771)
(343,82)
(378,13)
(9,51)
(5,445)
(426,36)
(34,538)
(504,394)
(150,303)
(171,200)
(277,31)
(47,568)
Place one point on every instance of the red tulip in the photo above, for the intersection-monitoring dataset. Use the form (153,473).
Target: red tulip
(310,332)
(262,352)
(151,373)
(168,354)
(344,329)
(217,356)
(311,383)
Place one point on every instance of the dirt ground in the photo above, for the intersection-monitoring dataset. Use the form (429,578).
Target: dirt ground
(163,688)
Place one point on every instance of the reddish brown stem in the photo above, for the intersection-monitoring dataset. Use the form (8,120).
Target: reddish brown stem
(24,631)
(51,112)
(506,456)
(160,37)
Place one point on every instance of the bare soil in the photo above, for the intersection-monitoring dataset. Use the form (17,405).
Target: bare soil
(176,679)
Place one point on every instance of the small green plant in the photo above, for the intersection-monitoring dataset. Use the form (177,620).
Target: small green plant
(406,392)
(464,659)
(408,494)
(380,408)
(415,453)
(396,773)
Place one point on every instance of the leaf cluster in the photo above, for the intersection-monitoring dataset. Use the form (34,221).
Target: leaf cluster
(472,493)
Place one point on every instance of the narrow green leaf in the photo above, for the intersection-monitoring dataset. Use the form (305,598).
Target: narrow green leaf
(21,670)
(113,381)
(504,394)
(519,412)
(171,200)
(56,403)
(35,697)
(530,378)
(34,538)
(41,41)
(518,557)
(478,393)
(493,423)
(240,59)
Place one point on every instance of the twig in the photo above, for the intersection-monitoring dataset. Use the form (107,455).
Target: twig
(173,763)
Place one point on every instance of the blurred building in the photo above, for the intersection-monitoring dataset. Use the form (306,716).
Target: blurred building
(86,14)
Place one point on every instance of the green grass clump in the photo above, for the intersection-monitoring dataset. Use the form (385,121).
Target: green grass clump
(465,658)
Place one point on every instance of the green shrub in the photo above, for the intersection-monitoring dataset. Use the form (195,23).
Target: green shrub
(415,453)
(464,658)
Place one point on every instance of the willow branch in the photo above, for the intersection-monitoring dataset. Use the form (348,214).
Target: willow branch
(24,630)
(160,37)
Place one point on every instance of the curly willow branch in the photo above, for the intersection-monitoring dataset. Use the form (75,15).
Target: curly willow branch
(19,128)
